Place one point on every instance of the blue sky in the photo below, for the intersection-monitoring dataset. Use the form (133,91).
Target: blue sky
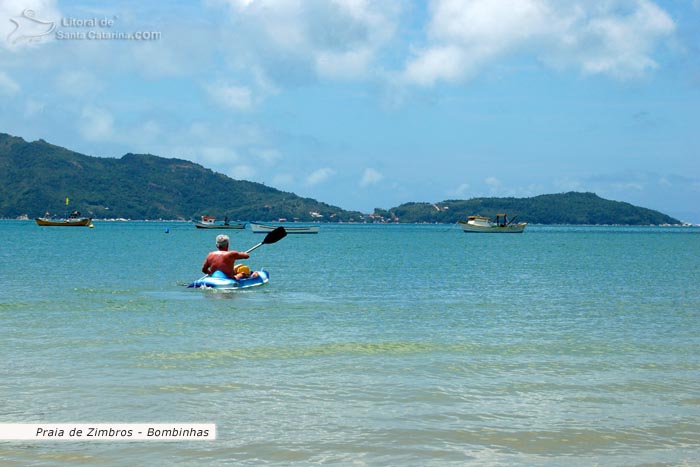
(372,104)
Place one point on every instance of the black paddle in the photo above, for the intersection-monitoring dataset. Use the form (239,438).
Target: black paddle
(275,236)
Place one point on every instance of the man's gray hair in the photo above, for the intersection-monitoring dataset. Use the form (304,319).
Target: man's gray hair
(221,240)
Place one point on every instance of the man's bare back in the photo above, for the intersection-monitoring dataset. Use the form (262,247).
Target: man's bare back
(222,259)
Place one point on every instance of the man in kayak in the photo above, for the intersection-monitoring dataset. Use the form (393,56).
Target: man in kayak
(222,260)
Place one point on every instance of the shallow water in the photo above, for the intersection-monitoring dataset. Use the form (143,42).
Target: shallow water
(412,345)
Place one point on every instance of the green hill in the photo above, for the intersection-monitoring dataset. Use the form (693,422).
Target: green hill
(36,177)
(564,208)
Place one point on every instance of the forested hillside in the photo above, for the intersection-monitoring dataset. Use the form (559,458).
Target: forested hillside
(36,177)
(564,208)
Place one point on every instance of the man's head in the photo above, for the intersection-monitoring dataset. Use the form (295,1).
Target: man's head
(222,241)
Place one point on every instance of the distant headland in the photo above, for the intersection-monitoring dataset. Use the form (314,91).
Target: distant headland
(36,177)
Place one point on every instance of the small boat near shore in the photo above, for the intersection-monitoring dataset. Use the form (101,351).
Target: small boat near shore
(209,222)
(257,227)
(481,224)
(74,220)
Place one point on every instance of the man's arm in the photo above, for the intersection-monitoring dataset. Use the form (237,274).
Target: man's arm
(239,255)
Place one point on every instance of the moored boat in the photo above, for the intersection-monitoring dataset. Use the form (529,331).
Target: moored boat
(74,220)
(209,222)
(292,229)
(481,224)
(220,281)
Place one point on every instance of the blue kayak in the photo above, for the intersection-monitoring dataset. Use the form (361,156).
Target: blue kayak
(219,280)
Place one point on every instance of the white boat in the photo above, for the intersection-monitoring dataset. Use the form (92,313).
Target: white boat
(482,224)
(291,229)
(209,222)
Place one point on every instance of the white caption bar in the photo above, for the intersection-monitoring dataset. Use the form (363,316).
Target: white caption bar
(108,431)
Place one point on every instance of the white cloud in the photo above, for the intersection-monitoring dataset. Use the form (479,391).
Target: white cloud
(96,124)
(231,96)
(344,65)
(463,34)
(148,131)
(319,176)
(613,43)
(242,172)
(199,130)
(217,155)
(268,156)
(370,177)
(296,41)
(461,191)
(494,185)
(445,62)
(33,108)
(79,83)
(568,184)
(282,180)
(8,86)
(626,186)
(177,53)
(616,38)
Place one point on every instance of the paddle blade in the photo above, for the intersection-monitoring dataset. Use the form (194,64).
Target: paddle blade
(275,236)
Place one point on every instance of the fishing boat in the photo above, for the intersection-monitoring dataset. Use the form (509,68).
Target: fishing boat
(220,281)
(209,222)
(483,224)
(74,220)
(257,227)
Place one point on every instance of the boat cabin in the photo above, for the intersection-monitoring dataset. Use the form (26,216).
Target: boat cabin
(501,220)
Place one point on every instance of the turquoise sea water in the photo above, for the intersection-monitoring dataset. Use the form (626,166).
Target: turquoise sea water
(399,345)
